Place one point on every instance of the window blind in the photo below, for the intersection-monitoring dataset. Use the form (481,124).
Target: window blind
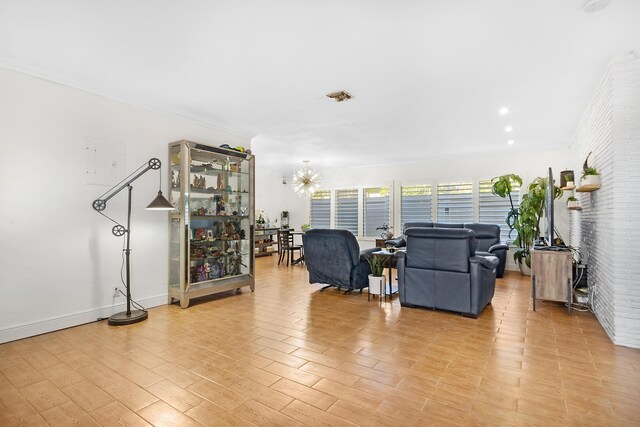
(415,204)
(347,210)
(455,202)
(375,210)
(493,209)
(320,215)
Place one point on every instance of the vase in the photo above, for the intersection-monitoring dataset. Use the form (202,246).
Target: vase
(526,271)
(591,181)
(376,285)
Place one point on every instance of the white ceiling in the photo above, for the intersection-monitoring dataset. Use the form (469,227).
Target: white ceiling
(427,76)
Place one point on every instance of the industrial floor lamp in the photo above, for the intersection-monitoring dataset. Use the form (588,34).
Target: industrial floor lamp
(159,204)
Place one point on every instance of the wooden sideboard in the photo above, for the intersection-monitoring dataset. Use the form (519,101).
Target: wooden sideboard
(551,276)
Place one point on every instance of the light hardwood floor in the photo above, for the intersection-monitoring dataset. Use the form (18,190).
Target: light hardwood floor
(291,355)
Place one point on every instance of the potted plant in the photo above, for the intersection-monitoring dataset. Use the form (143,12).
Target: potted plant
(305,227)
(502,186)
(376,278)
(531,211)
(572,202)
(590,175)
(570,182)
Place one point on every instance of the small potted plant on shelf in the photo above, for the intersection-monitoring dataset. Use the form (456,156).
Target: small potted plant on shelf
(590,175)
(376,278)
(570,182)
(572,202)
(305,227)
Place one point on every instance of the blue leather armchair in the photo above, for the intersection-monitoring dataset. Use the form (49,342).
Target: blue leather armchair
(440,269)
(487,237)
(333,257)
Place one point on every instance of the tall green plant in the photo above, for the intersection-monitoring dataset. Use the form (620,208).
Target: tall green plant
(531,211)
(502,186)
(525,218)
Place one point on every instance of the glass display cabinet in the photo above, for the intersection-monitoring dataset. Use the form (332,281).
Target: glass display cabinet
(211,234)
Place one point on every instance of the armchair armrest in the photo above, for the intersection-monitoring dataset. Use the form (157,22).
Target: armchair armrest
(365,254)
(497,247)
(490,262)
(398,242)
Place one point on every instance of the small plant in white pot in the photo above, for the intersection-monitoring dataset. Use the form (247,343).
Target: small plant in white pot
(376,278)
(572,202)
(590,177)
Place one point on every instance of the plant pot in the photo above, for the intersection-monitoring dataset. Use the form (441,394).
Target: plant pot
(591,181)
(526,271)
(376,284)
(572,204)
(570,184)
(305,229)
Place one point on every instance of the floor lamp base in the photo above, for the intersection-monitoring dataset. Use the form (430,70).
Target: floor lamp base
(123,318)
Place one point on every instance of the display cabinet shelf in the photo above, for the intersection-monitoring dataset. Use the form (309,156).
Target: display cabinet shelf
(212,234)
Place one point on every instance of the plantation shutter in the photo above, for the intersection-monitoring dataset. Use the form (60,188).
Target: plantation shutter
(320,209)
(347,210)
(415,204)
(375,210)
(494,209)
(455,202)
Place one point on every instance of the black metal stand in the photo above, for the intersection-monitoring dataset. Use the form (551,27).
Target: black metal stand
(130,316)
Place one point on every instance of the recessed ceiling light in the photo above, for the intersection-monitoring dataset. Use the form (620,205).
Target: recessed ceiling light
(503,111)
(508,129)
(511,141)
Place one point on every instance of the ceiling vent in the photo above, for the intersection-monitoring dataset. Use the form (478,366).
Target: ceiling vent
(340,96)
(595,5)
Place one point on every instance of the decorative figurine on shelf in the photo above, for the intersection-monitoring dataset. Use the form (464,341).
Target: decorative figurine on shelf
(207,269)
(220,206)
(219,184)
(242,235)
(193,273)
(199,182)
(386,231)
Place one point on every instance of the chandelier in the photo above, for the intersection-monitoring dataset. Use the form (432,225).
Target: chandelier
(305,180)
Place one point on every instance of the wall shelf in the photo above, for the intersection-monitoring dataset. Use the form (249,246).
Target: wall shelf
(587,188)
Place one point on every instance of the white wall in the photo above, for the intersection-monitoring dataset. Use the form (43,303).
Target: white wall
(610,224)
(59,262)
(274,197)
(528,165)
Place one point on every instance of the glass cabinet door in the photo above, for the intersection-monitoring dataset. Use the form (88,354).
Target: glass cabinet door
(211,191)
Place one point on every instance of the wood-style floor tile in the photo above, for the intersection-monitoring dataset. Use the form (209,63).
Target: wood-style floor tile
(68,415)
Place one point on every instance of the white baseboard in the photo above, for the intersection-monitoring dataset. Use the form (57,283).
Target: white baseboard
(30,329)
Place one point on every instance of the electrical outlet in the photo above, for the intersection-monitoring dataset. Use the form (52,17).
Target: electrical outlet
(116,293)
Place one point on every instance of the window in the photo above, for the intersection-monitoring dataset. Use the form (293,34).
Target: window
(347,210)
(415,204)
(320,209)
(494,209)
(455,202)
(375,210)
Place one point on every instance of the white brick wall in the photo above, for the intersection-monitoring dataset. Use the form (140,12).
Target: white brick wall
(610,129)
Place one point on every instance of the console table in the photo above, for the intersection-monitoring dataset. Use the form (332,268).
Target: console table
(551,276)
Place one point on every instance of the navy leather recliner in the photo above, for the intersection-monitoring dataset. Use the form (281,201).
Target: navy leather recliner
(440,269)
(487,238)
(333,257)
